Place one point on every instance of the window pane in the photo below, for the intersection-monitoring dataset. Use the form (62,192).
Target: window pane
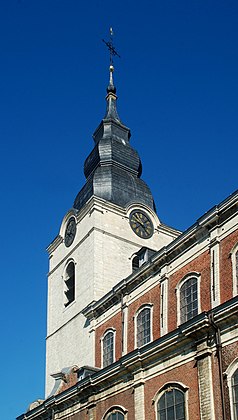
(169,398)
(170,414)
(162,402)
(178,397)
(162,415)
(180,412)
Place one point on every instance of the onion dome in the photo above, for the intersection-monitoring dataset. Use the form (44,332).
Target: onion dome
(113,168)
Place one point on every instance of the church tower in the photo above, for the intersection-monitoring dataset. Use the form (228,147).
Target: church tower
(110,229)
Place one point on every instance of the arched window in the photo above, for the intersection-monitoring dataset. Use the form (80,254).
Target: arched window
(234,260)
(108,351)
(188,299)
(171,404)
(143,326)
(234,385)
(232,382)
(69,283)
(116,413)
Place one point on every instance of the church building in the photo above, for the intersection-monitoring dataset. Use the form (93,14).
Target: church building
(142,318)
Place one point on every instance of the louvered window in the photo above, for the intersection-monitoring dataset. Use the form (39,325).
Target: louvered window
(70,284)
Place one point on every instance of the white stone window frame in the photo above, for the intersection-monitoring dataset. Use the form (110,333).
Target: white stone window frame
(178,290)
(109,330)
(233,253)
(114,409)
(229,373)
(141,308)
(173,385)
(69,261)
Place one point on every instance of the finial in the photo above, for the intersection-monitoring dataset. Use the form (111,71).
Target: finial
(112,52)
(111,47)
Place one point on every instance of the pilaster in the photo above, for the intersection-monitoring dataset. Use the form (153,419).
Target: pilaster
(205,381)
(139,396)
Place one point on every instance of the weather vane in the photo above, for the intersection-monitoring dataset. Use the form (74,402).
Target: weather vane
(111,47)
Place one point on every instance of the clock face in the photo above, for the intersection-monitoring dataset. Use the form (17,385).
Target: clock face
(141,224)
(70,232)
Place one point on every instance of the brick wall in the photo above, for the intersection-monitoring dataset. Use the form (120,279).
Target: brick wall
(116,323)
(185,374)
(226,246)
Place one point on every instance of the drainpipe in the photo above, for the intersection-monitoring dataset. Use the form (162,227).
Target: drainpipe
(219,357)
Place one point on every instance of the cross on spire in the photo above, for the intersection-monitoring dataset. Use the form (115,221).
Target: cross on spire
(111,47)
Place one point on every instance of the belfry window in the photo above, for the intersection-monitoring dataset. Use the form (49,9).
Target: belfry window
(108,348)
(70,284)
(188,299)
(143,326)
(171,405)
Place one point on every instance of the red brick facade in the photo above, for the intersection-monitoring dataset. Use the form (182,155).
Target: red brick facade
(196,358)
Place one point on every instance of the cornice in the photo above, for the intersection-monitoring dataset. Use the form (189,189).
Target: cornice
(193,235)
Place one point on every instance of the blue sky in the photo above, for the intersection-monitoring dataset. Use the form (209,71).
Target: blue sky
(177,86)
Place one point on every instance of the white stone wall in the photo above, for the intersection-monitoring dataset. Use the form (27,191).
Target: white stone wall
(102,251)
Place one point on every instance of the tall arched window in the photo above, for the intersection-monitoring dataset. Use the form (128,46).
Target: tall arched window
(69,283)
(232,381)
(171,404)
(188,299)
(143,326)
(234,260)
(234,385)
(108,351)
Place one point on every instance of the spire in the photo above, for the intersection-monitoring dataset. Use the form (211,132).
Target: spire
(111,98)
(113,168)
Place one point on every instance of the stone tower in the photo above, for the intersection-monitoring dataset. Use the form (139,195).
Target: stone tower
(109,228)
